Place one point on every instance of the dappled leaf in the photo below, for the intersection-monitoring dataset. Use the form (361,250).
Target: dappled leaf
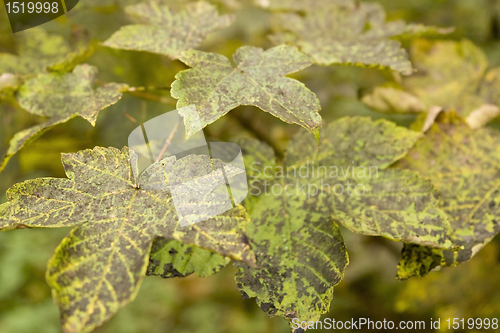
(54,94)
(299,249)
(165,32)
(348,32)
(464,165)
(171,258)
(359,150)
(99,267)
(295,207)
(418,261)
(62,97)
(215,87)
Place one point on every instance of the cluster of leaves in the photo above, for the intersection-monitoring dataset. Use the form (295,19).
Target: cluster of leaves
(458,154)
(435,186)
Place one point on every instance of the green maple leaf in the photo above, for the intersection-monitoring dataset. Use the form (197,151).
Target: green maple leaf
(99,266)
(215,87)
(295,209)
(61,97)
(369,148)
(171,258)
(299,249)
(347,32)
(464,165)
(166,32)
(452,75)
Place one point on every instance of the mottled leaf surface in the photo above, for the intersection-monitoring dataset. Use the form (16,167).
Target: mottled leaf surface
(98,268)
(53,94)
(357,151)
(418,261)
(62,97)
(347,33)
(294,209)
(464,165)
(215,86)
(299,248)
(171,258)
(163,31)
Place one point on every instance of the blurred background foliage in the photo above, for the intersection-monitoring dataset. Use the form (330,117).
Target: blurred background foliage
(213,304)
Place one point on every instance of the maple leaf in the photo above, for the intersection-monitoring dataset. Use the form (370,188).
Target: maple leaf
(347,32)
(165,32)
(215,87)
(99,266)
(464,165)
(295,209)
(61,97)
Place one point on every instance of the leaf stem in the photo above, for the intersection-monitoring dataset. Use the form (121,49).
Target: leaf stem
(168,141)
(141,93)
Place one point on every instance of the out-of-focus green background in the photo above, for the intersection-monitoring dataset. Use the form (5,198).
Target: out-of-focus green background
(213,304)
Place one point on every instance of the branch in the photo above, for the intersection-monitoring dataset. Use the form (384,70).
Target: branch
(168,141)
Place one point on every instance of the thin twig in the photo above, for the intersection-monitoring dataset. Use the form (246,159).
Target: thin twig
(141,93)
(144,106)
(168,142)
(132,119)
